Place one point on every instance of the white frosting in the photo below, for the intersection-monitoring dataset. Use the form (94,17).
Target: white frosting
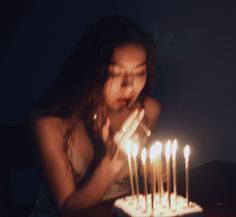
(132,207)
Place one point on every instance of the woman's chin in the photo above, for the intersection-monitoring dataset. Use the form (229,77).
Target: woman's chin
(121,104)
(115,108)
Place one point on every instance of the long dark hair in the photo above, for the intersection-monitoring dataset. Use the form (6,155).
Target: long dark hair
(77,93)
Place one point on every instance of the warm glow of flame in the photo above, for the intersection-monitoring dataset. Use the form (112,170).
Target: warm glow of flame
(128,147)
(144,155)
(134,149)
(153,152)
(186,152)
(159,147)
(174,147)
(168,149)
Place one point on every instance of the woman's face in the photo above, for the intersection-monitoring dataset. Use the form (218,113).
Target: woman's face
(127,76)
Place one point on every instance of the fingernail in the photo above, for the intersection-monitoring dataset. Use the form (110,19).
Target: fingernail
(135,112)
(142,113)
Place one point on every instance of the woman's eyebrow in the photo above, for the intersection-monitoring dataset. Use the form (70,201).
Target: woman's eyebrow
(141,64)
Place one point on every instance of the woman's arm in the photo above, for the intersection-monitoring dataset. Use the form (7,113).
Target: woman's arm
(93,191)
(57,174)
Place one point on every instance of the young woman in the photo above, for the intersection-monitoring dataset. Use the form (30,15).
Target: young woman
(82,124)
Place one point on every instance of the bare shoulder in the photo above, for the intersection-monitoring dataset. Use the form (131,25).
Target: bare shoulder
(48,123)
(48,131)
(152,110)
(152,107)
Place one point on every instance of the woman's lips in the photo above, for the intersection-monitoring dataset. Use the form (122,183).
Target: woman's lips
(124,101)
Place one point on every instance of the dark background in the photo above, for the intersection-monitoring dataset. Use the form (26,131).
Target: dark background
(196,70)
(195,81)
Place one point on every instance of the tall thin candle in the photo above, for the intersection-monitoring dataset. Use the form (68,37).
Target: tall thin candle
(152,162)
(174,149)
(159,171)
(143,158)
(186,156)
(128,151)
(134,156)
(168,152)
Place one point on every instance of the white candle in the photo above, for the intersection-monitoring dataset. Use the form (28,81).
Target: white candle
(153,152)
(134,156)
(174,149)
(159,171)
(143,158)
(186,156)
(168,153)
(128,152)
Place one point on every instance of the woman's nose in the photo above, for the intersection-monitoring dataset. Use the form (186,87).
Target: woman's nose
(127,80)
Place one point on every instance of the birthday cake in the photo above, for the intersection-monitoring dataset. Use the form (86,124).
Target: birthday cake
(133,206)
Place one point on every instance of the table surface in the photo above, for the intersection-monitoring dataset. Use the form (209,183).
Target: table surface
(212,186)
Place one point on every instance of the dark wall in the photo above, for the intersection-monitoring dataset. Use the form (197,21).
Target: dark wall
(196,72)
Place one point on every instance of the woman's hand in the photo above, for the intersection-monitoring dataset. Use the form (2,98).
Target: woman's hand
(127,130)
(120,138)
(106,130)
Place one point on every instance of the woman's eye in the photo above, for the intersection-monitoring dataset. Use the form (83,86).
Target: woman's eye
(142,73)
(115,74)
(138,73)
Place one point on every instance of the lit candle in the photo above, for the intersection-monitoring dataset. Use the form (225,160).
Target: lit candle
(134,155)
(143,158)
(168,153)
(174,149)
(152,164)
(159,171)
(186,156)
(128,151)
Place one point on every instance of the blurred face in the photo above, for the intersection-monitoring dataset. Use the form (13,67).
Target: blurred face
(127,76)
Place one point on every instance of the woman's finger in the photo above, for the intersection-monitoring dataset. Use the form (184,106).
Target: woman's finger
(106,130)
(125,126)
(129,120)
(132,127)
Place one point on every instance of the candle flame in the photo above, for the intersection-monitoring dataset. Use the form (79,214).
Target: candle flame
(153,152)
(174,147)
(128,147)
(144,155)
(168,149)
(186,152)
(159,147)
(134,149)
